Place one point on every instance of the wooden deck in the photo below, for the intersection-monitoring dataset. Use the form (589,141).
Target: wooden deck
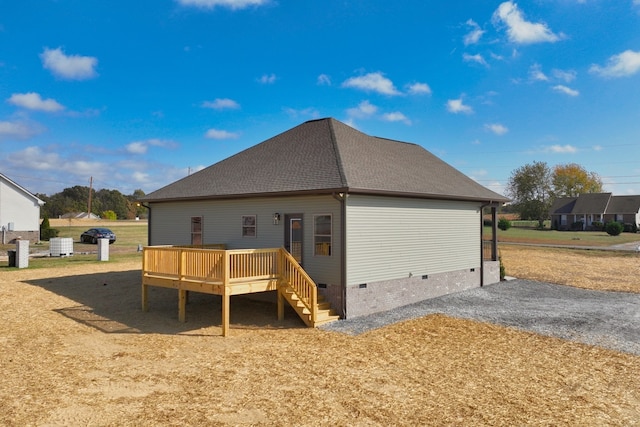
(214,270)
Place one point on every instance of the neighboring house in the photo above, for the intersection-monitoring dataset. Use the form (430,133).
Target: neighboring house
(580,213)
(79,215)
(376,223)
(19,212)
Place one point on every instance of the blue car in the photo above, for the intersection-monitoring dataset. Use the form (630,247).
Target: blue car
(93,234)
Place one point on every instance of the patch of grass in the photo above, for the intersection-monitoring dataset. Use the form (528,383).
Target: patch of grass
(61,262)
(124,249)
(575,238)
(126,235)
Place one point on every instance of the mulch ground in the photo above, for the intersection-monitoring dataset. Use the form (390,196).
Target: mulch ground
(589,269)
(75,349)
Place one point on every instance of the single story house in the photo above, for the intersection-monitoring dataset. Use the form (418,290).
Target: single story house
(79,215)
(376,223)
(19,212)
(580,213)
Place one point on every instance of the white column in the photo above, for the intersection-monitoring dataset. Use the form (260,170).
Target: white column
(22,253)
(103,249)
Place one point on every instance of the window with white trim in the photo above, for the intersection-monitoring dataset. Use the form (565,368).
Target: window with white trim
(196,230)
(249,226)
(322,235)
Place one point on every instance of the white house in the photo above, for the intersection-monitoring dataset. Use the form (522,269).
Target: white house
(376,223)
(19,212)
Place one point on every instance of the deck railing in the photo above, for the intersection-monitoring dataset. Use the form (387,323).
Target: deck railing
(252,264)
(292,275)
(211,265)
(488,250)
(229,267)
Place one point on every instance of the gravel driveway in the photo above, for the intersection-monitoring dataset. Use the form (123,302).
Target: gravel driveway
(606,319)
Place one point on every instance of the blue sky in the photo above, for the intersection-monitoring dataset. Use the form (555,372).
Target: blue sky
(138,94)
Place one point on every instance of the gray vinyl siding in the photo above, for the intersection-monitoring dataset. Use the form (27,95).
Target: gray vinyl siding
(171,225)
(391,238)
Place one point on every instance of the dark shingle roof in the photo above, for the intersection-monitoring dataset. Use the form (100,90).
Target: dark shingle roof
(563,205)
(624,205)
(321,156)
(591,203)
(596,203)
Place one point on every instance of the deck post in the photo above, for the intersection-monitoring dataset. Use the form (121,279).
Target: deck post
(145,291)
(145,297)
(280,304)
(314,306)
(182,305)
(279,285)
(225,311)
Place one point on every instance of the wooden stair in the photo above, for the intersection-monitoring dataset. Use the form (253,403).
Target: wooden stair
(325,313)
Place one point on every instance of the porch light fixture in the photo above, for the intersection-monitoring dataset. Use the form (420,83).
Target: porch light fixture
(276,218)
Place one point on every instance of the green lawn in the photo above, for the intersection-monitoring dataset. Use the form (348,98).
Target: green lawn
(128,237)
(577,238)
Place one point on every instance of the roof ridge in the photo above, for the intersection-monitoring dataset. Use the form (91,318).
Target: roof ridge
(336,150)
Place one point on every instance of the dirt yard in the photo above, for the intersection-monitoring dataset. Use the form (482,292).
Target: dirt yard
(75,349)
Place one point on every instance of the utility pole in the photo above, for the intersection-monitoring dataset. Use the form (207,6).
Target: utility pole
(90,191)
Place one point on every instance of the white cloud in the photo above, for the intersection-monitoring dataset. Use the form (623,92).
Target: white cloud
(305,112)
(324,80)
(34,158)
(419,89)
(363,110)
(231,4)
(375,82)
(33,101)
(19,130)
(267,79)
(72,67)
(566,90)
(137,147)
(518,29)
(141,147)
(456,106)
(474,58)
(565,75)
(351,123)
(598,147)
(396,117)
(474,35)
(561,149)
(220,134)
(496,128)
(221,104)
(536,74)
(624,64)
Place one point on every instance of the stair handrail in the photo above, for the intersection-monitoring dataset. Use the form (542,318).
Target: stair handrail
(305,289)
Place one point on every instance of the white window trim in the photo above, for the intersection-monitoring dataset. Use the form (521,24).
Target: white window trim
(323,235)
(243,226)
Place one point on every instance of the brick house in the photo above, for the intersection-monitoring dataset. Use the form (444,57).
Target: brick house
(580,213)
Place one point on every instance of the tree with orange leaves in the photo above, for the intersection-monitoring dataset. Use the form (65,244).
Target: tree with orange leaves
(571,180)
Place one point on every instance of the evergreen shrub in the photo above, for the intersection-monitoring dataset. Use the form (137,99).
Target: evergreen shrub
(613,228)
